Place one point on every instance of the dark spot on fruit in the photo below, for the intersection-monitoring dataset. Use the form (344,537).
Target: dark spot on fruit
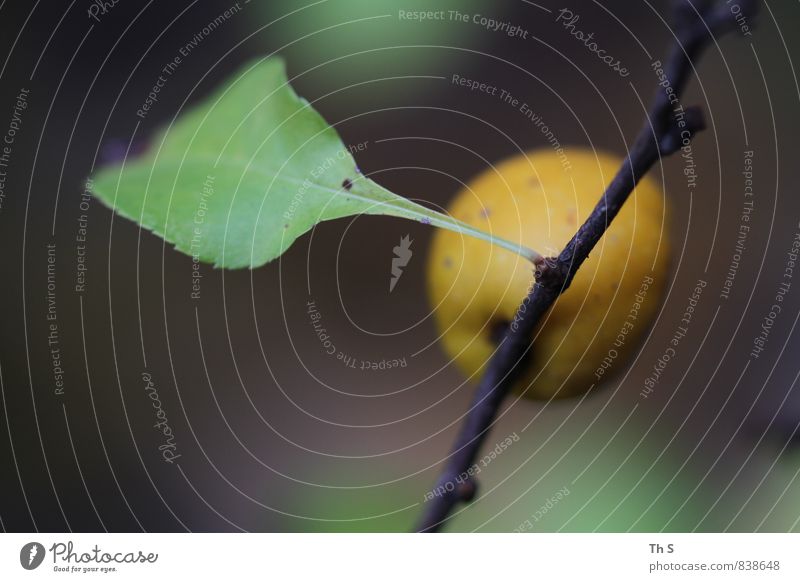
(347,184)
(448,262)
(497,330)
(533,182)
(486,212)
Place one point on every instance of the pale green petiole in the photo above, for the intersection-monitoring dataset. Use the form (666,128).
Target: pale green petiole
(388,203)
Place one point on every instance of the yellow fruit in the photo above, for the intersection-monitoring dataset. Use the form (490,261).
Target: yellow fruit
(539,200)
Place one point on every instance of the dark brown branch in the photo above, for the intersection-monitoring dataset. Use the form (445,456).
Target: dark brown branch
(666,130)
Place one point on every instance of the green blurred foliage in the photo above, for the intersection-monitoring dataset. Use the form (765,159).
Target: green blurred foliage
(316,35)
(622,488)
(618,486)
(770,505)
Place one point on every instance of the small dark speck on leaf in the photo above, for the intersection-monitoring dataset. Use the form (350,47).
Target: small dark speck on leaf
(425,220)
(285,226)
(347,184)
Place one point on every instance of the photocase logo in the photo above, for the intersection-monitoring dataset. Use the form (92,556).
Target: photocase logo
(402,255)
(31,555)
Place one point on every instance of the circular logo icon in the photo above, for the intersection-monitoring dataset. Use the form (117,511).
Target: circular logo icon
(31,555)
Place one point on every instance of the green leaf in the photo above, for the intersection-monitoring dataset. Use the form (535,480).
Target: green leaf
(238,178)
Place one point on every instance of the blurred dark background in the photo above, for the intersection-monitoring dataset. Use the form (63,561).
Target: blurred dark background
(275,435)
